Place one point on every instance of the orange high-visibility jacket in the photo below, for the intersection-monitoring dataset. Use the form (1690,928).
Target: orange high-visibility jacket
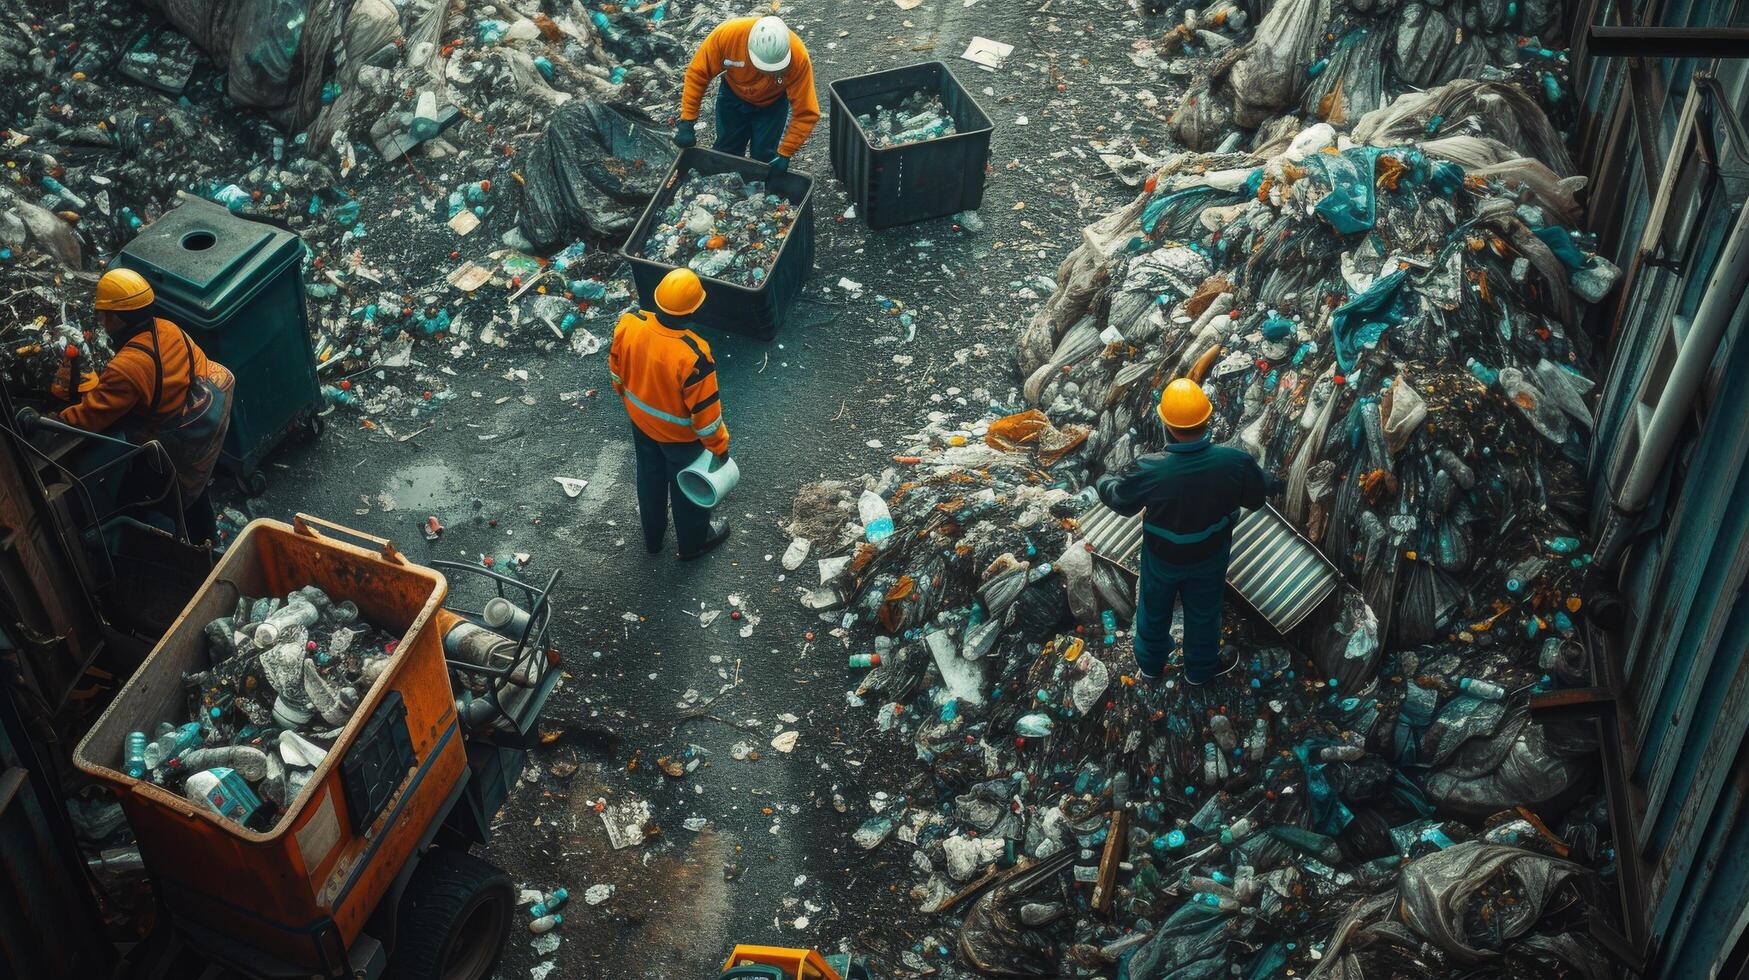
(127,383)
(668,382)
(724,53)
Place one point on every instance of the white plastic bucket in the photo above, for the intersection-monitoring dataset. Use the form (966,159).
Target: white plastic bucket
(706,482)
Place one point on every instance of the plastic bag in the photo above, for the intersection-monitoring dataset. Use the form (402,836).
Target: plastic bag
(591,174)
(275,52)
(1449,896)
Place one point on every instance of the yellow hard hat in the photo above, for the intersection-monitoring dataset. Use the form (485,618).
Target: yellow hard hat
(679,293)
(1183,405)
(123,289)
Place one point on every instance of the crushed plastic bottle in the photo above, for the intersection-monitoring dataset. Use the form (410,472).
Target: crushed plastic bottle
(721,226)
(877,521)
(919,116)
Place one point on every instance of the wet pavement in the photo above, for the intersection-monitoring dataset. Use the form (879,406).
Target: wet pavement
(773,862)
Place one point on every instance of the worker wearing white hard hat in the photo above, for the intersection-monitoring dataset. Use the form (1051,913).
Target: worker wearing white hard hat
(768,81)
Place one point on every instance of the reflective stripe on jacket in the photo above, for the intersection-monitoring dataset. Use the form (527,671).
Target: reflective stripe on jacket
(668,382)
(724,53)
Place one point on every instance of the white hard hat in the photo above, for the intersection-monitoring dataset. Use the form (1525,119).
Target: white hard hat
(768,44)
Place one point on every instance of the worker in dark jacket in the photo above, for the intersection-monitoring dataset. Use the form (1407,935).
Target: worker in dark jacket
(664,374)
(159,386)
(1190,496)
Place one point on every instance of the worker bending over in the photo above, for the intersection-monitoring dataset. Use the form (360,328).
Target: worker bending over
(159,385)
(1190,495)
(664,374)
(767,78)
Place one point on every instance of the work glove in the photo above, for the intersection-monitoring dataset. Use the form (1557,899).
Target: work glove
(684,135)
(780,164)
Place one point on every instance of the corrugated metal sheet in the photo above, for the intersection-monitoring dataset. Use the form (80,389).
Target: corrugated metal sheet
(1680,665)
(1274,569)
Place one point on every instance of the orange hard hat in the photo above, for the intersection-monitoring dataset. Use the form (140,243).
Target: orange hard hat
(679,293)
(123,289)
(1183,405)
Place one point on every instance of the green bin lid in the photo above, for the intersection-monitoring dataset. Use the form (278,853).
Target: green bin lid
(205,263)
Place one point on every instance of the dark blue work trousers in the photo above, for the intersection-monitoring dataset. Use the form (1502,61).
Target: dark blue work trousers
(658,490)
(741,124)
(1202,585)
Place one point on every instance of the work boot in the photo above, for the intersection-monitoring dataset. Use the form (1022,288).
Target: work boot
(719,534)
(1223,666)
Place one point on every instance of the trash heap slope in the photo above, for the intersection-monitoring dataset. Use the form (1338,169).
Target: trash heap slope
(1387,316)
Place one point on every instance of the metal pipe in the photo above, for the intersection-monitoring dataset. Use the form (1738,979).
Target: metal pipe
(1724,290)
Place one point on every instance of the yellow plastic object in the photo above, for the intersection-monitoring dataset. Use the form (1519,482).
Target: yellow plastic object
(680,293)
(301,891)
(798,964)
(1183,405)
(123,289)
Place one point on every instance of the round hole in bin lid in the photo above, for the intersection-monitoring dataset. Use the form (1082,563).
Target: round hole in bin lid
(198,241)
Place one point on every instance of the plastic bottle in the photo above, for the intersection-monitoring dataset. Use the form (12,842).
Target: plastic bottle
(1213,901)
(1477,688)
(545,924)
(168,746)
(554,901)
(860,660)
(297,612)
(1037,724)
(1258,743)
(1225,737)
(1341,753)
(877,521)
(131,219)
(134,755)
(59,190)
(1238,831)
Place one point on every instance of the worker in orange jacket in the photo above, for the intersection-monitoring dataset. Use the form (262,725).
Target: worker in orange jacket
(664,374)
(159,386)
(767,79)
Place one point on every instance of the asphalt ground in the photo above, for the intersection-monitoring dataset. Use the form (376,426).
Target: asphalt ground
(828,398)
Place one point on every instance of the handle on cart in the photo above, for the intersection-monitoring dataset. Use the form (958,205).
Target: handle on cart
(301,523)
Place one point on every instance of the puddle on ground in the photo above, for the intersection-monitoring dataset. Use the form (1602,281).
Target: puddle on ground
(420,486)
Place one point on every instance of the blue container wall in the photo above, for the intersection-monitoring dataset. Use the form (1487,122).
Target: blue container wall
(1681,661)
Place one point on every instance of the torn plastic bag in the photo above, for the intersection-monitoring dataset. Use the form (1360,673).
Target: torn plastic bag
(1453,897)
(591,174)
(275,53)
(1190,945)
(1519,762)
(994,940)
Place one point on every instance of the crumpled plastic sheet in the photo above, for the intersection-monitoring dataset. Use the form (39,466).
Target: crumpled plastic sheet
(591,174)
(1438,891)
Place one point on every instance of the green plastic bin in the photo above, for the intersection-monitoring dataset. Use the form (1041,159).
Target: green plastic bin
(233,284)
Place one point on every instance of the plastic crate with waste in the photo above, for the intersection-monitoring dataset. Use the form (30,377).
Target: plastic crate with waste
(233,284)
(911,182)
(302,890)
(753,311)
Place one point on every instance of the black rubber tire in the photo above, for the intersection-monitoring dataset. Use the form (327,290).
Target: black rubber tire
(455,919)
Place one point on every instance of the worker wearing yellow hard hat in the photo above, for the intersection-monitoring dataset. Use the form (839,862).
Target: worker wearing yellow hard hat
(664,374)
(1189,496)
(160,386)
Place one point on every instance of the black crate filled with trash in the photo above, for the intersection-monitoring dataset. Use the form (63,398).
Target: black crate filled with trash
(744,229)
(286,676)
(909,144)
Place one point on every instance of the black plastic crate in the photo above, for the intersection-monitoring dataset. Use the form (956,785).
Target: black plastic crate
(916,181)
(754,311)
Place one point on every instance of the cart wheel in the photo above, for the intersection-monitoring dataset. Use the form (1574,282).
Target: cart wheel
(252,484)
(311,429)
(455,919)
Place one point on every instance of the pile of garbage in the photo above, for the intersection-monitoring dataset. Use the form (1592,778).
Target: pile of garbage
(286,677)
(1385,311)
(919,116)
(722,226)
(1336,60)
(376,132)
